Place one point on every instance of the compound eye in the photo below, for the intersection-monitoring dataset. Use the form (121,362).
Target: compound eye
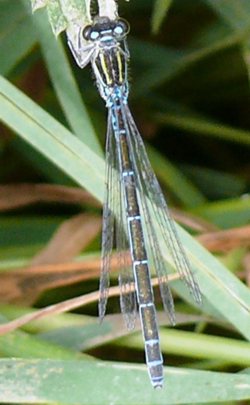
(121,28)
(86,32)
(90,34)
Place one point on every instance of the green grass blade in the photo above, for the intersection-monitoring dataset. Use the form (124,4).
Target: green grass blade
(82,382)
(64,83)
(227,185)
(161,64)
(224,292)
(51,138)
(43,325)
(161,8)
(22,229)
(195,345)
(226,213)
(14,24)
(203,126)
(20,344)
(236,13)
(169,175)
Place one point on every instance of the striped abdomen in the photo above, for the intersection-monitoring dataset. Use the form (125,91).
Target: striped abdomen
(138,250)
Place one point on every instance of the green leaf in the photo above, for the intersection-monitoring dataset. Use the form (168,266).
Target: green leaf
(63,320)
(204,126)
(20,344)
(35,4)
(226,213)
(161,64)
(51,138)
(57,20)
(195,345)
(161,8)
(169,175)
(64,83)
(113,327)
(41,165)
(82,382)
(22,230)
(224,292)
(226,185)
(14,24)
(236,13)
(62,14)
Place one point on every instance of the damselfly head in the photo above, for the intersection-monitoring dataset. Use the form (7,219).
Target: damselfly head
(104,28)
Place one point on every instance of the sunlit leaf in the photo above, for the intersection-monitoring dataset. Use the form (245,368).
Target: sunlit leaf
(51,138)
(61,14)
(49,381)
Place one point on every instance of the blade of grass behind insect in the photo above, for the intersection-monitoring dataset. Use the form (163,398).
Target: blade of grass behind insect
(196,345)
(224,292)
(52,382)
(227,213)
(203,126)
(39,163)
(63,81)
(20,344)
(14,24)
(170,176)
(47,135)
(161,64)
(227,185)
(52,322)
(160,10)
(236,14)
(21,230)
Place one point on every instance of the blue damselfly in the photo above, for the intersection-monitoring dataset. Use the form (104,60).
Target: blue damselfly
(135,212)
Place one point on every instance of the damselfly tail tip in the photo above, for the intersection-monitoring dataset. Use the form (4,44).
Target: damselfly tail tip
(158,384)
(155,370)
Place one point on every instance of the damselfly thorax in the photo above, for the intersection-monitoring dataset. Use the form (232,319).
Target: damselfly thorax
(110,56)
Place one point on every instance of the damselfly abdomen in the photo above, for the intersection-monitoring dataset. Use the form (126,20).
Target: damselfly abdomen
(134,204)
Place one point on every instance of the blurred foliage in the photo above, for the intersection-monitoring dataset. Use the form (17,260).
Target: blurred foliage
(189,92)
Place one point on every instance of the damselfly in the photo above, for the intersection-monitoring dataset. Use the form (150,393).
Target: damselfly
(135,213)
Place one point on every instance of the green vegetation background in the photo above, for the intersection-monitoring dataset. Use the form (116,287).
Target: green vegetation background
(189,79)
